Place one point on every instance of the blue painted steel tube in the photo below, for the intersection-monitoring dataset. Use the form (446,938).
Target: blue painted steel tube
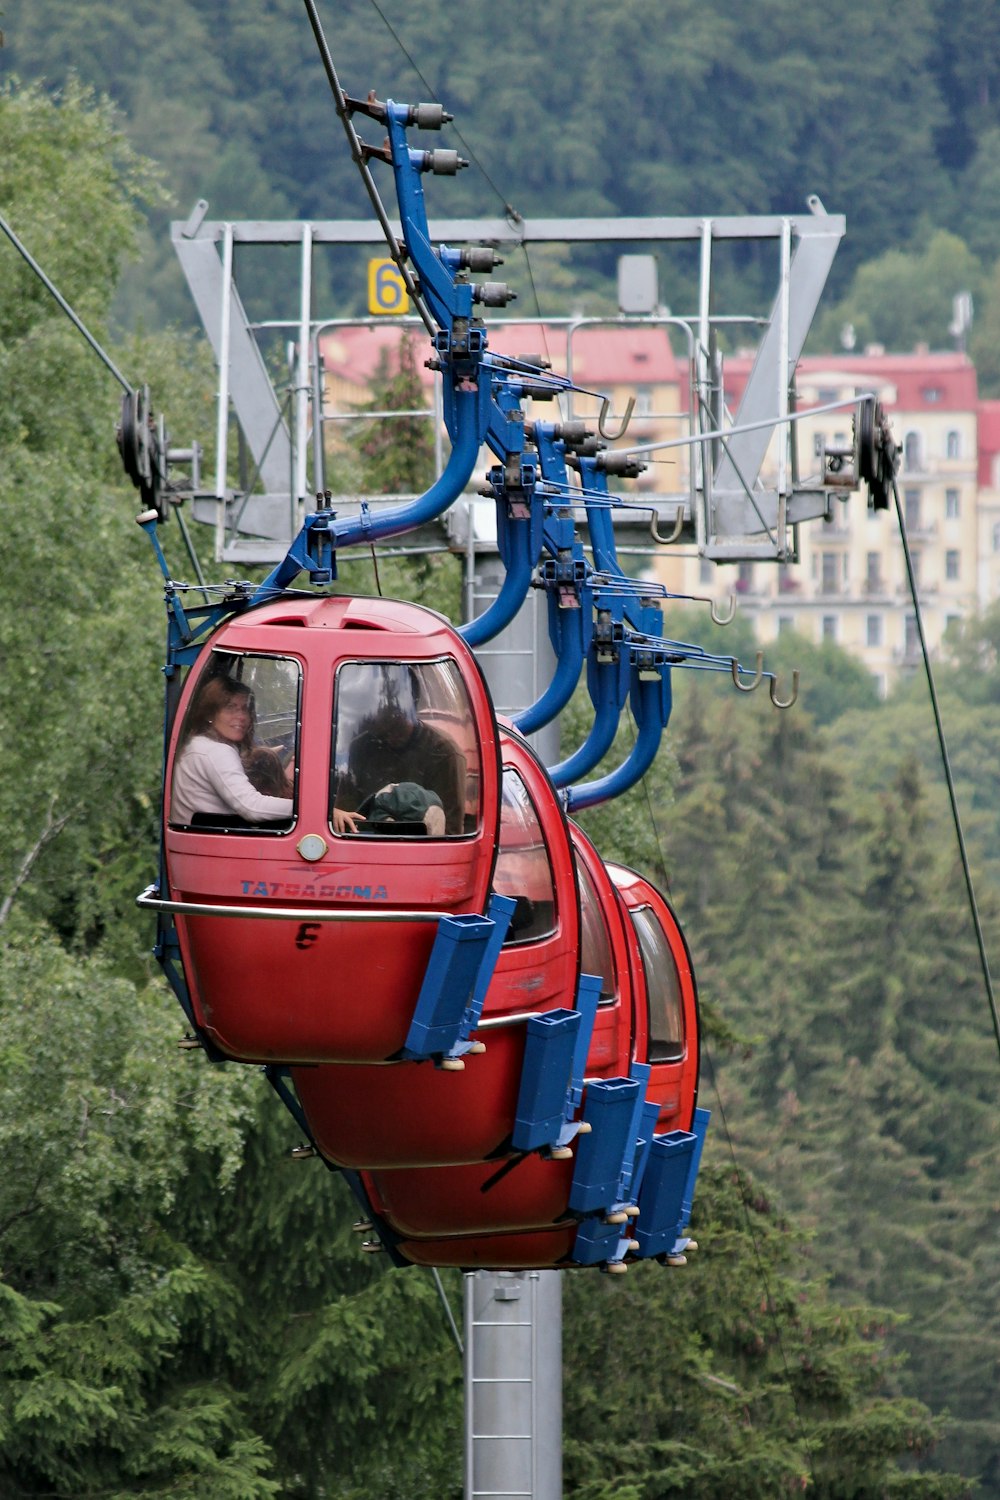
(444,490)
(564,680)
(602,534)
(652,710)
(603,682)
(513,591)
(368,528)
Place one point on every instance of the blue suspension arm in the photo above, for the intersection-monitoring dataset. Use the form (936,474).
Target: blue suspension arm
(608,674)
(651,703)
(314,548)
(569,629)
(514,540)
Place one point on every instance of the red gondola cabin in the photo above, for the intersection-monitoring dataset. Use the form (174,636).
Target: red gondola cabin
(332,790)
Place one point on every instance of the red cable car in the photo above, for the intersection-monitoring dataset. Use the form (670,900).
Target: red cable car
(517,1213)
(412,1114)
(332,792)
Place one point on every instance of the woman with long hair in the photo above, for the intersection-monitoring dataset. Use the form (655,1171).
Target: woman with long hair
(215,751)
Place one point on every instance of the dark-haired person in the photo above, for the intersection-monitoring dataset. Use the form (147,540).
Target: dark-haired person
(394,745)
(210,772)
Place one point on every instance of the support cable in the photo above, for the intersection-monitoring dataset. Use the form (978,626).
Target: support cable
(510,212)
(946,763)
(76,321)
(396,250)
(447,1307)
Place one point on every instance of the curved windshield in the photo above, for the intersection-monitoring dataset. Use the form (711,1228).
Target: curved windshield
(237,752)
(595,940)
(663,988)
(522,868)
(405,751)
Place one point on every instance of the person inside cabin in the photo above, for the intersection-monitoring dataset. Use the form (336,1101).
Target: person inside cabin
(398,762)
(268,773)
(217,762)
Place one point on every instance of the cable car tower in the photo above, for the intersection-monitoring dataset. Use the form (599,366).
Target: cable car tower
(591,1093)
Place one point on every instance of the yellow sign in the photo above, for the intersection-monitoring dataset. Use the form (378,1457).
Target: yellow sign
(386,288)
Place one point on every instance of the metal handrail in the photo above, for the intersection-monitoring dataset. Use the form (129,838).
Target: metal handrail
(281,913)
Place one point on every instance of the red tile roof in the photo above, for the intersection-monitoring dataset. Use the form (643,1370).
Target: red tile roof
(602,356)
(922,382)
(989,441)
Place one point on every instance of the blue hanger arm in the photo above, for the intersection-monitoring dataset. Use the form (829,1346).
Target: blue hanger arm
(652,704)
(513,591)
(607,713)
(443,492)
(560,689)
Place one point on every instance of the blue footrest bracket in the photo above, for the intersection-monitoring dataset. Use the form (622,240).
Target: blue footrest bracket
(458,973)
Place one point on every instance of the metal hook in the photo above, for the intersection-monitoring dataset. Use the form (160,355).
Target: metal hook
(727,619)
(748,687)
(606,412)
(795,691)
(665,541)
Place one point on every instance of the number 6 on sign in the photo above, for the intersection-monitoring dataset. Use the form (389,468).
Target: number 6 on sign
(386,288)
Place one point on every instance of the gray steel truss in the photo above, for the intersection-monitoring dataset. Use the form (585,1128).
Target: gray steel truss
(726,506)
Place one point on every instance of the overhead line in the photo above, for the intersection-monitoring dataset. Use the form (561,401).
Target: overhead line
(946,763)
(77,322)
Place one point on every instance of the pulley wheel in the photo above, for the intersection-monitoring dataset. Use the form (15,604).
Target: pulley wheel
(139,445)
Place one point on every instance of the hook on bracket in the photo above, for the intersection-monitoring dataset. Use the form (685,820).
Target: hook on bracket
(728,619)
(606,412)
(665,541)
(785,703)
(748,687)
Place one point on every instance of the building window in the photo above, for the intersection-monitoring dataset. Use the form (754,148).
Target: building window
(643,400)
(952,445)
(915,560)
(873,630)
(952,626)
(911,640)
(911,452)
(951,505)
(744,579)
(996,537)
(911,509)
(873,572)
(785,624)
(951,564)
(931,394)
(829,627)
(706,570)
(831,572)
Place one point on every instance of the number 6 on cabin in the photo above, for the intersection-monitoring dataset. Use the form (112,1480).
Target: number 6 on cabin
(386,288)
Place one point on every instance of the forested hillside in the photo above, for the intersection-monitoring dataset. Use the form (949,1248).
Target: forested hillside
(575,107)
(184,1310)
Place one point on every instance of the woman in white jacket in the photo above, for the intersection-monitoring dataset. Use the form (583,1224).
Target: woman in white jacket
(210,772)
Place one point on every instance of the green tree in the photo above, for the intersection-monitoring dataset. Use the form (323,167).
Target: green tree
(103,1136)
(985,338)
(753,1382)
(827,919)
(904,296)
